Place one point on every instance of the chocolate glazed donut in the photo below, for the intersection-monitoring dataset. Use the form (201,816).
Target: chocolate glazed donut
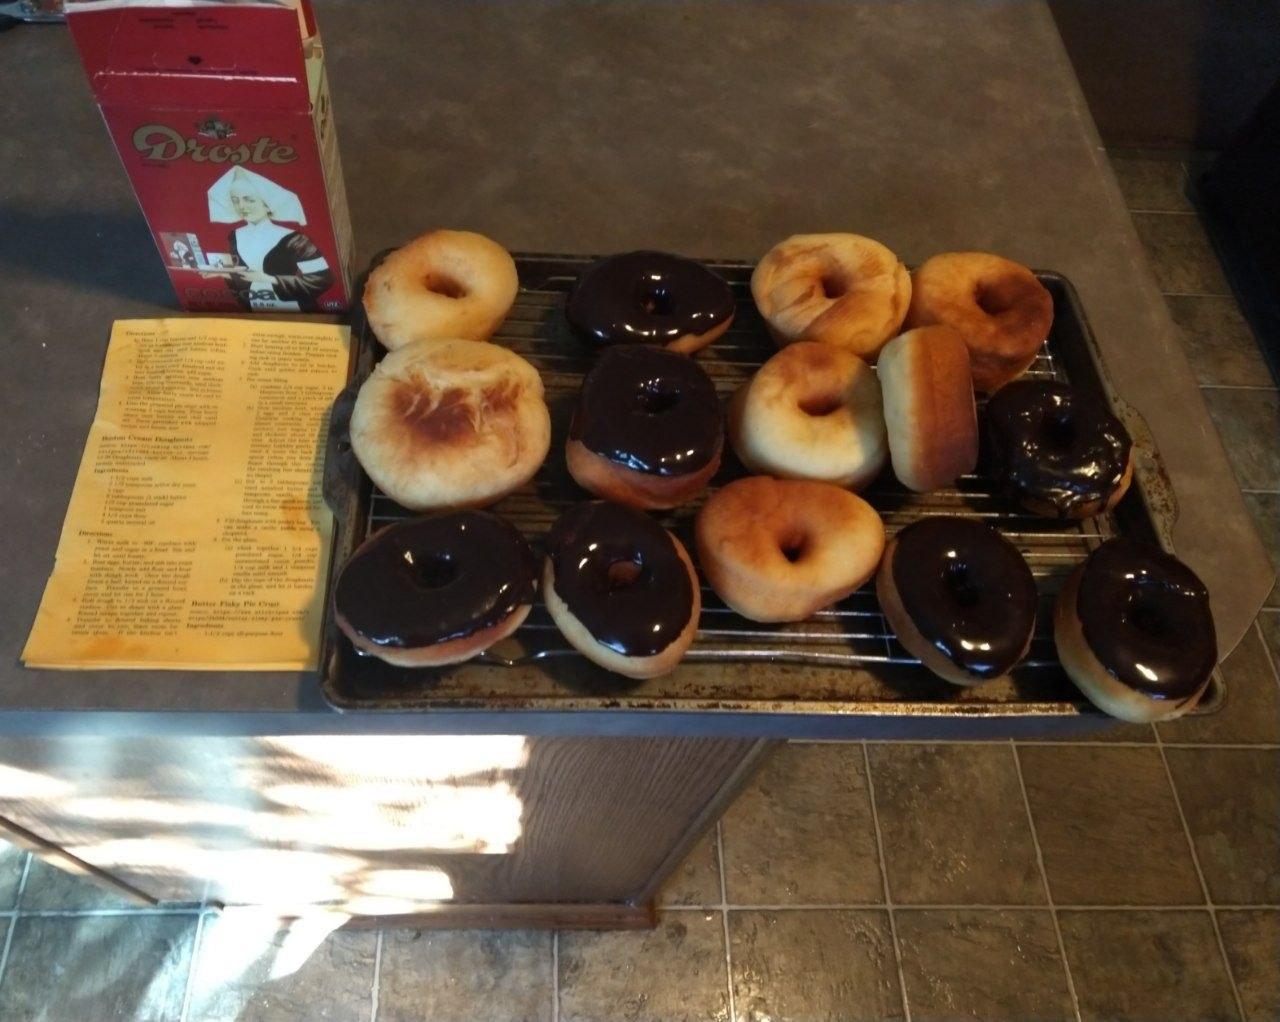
(430,591)
(1134,632)
(621,588)
(1059,452)
(652,298)
(647,431)
(959,596)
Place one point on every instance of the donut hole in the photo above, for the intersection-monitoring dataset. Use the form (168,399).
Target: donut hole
(834,285)
(990,300)
(1059,429)
(1146,611)
(657,301)
(431,571)
(443,284)
(623,573)
(961,583)
(818,405)
(793,546)
(657,396)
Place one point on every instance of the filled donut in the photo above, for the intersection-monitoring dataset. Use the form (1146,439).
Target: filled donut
(998,306)
(647,430)
(959,596)
(650,298)
(432,591)
(840,289)
(930,416)
(621,589)
(1057,451)
(1134,632)
(450,424)
(444,284)
(782,549)
(813,411)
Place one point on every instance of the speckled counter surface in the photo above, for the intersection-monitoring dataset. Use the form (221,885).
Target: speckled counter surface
(707,128)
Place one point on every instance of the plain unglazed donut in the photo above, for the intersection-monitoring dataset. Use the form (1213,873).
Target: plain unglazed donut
(840,289)
(929,411)
(998,306)
(782,549)
(813,411)
(450,424)
(444,284)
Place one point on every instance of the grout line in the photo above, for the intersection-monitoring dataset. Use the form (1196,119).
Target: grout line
(1269,493)
(724,919)
(189,988)
(1269,388)
(1197,294)
(1266,651)
(375,986)
(1204,886)
(13,918)
(555,976)
(884,883)
(899,907)
(1037,743)
(1167,212)
(76,913)
(1044,879)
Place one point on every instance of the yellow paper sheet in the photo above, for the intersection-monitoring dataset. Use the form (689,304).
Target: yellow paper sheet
(197,536)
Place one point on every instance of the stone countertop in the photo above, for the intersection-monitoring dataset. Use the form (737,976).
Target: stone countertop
(710,128)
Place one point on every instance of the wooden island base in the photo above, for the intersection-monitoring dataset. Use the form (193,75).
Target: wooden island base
(477,831)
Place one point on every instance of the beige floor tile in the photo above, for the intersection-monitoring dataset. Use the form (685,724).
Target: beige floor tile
(802,832)
(675,973)
(1180,254)
(252,969)
(1218,341)
(49,887)
(1252,940)
(1249,423)
(1108,826)
(954,826)
(1252,710)
(12,859)
(813,966)
(1147,966)
(982,965)
(99,968)
(1231,798)
(1151,184)
(696,881)
(1265,508)
(463,976)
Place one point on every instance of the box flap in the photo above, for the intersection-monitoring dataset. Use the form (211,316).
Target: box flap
(191,54)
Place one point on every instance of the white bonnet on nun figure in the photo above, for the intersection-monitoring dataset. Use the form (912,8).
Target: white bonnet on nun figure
(282,203)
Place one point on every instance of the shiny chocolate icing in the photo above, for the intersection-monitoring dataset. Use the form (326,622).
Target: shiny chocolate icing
(428,580)
(648,298)
(618,572)
(1051,444)
(968,590)
(1145,616)
(649,410)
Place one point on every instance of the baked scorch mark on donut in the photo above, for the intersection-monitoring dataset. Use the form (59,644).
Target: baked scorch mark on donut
(452,414)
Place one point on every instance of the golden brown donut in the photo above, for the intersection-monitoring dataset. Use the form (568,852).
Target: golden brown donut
(840,289)
(781,549)
(450,424)
(444,284)
(998,306)
(813,411)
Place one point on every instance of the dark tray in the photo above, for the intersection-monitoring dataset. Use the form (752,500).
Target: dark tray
(843,661)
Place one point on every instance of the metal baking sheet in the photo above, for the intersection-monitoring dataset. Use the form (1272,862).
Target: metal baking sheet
(843,661)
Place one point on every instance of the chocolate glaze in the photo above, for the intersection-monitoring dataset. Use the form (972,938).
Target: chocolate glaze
(1145,616)
(649,298)
(650,410)
(429,580)
(637,616)
(1054,445)
(968,590)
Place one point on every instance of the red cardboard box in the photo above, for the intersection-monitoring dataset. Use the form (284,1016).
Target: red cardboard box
(220,112)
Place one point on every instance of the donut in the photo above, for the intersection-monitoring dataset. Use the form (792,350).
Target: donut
(621,589)
(840,289)
(1058,451)
(930,416)
(647,430)
(650,298)
(441,285)
(1134,632)
(1003,313)
(431,591)
(782,549)
(959,596)
(450,424)
(813,411)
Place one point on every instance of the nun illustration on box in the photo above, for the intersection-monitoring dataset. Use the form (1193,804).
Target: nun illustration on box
(274,268)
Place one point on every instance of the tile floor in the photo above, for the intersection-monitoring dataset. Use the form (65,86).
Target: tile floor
(1132,876)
